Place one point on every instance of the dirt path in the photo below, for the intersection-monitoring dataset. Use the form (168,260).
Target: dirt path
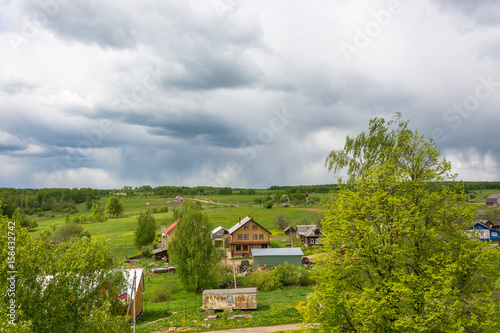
(264,329)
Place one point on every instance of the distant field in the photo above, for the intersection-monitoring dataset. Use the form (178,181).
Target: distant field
(224,211)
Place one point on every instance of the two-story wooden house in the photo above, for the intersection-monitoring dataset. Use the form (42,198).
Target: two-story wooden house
(247,235)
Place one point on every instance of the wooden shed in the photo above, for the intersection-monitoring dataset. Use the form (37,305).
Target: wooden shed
(236,299)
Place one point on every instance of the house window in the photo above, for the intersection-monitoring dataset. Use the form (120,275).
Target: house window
(484,233)
(264,246)
(255,236)
(261,236)
(238,247)
(312,241)
(254,227)
(245,247)
(247,236)
(247,227)
(240,236)
(494,233)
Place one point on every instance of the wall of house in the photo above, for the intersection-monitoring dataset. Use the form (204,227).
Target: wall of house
(251,236)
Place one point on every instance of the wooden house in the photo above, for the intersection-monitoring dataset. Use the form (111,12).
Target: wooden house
(168,233)
(309,234)
(247,235)
(135,289)
(179,199)
(235,299)
(160,254)
(289,231)
(219,232)
(484,230)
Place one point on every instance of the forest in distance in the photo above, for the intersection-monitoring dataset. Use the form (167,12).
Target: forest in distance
(32,201)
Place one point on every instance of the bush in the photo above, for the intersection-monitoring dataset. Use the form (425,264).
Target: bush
(289,275)
(263,281)
(269,204)
(146,251)
(281,222)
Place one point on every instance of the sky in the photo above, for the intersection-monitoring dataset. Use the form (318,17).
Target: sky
(239,93)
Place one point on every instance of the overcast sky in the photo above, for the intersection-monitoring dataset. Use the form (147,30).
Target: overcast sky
(240,93)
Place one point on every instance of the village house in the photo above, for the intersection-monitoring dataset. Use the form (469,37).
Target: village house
(179,199)
(247,235)
(493,200)
(167,234)
(218,232)
(309,234)
(484,230)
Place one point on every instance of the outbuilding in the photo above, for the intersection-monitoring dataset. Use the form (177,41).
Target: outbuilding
(236,299)
(275,257)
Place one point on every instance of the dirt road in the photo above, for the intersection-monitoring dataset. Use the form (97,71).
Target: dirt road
(264,329)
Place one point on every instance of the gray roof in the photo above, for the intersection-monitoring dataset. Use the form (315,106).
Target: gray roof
(230,291)
(294,251)
(305,229)
(238,225)
(493,198)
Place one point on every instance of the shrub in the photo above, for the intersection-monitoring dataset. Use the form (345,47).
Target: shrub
(289,275)
(269,204)
(263,281)
(146,251)
(281,222)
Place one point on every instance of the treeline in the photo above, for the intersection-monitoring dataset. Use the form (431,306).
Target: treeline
(327,188)
(32,201)
(472,186)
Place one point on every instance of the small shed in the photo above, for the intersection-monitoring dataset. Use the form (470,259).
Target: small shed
(236,299)
(275,257)
(160,254)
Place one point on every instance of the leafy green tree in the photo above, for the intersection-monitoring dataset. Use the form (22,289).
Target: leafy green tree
(192,251)
(63,287)
(146,229)
(20,218)
(401,259)
(281,222)
(114,206)
(67,231)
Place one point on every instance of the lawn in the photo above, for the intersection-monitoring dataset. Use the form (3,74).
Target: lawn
(182,309)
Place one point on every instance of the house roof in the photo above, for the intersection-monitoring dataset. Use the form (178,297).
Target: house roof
(139,280)
(179,197)
(242,223)
(173,225)
(218,229)
(295,251)
(493,198)
(289,228)
(305,230)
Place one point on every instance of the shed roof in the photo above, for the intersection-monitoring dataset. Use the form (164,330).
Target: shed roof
(230,291)
(493,198)
(294,251)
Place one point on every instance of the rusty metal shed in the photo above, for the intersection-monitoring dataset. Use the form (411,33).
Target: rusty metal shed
(236,299)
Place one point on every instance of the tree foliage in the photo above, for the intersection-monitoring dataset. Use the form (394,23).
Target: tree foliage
(192,251)
(63,287)
(281,222)
(146,229)
(406,263)
(114,206)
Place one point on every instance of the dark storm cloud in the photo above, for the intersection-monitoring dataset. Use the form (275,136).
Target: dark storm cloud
(89,22)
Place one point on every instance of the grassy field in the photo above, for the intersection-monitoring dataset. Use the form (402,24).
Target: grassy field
(165,303)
